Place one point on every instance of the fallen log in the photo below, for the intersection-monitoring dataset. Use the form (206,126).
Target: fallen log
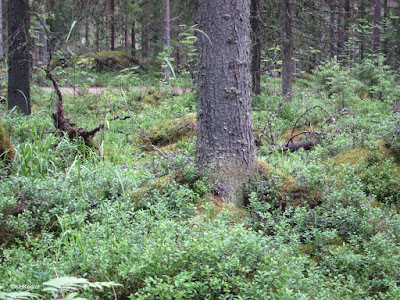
(306,145)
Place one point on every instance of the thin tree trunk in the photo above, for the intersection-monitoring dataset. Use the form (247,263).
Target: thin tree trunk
(126,41)
(133,39)
(107,22)
(385,44)
(87,32)
(340,34)
(98,32)
(1,31)
(19,59)
(345,34)
(287,47)
(166,37)
(225,144)
(377,31)
(255,21)
(332,50)
(147,30)
(112,19)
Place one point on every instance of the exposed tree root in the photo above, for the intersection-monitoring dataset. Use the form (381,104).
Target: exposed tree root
(62,123)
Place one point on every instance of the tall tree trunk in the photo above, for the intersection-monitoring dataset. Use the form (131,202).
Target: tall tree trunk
(1,31)
(112,24)
(340,33)
(19,59)
(87,29)
(377,31)
(385,44)
(107,22)
(225,144)
(332,51)
(343,24)
(147,29)
(166,37)
(126,41)
(287,48)
(133,39)
(98,32)
(255,22)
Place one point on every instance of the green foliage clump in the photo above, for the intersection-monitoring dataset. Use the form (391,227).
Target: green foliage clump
(109,60)
(319,224)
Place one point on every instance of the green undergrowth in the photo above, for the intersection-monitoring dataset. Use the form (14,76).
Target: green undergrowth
(126,221)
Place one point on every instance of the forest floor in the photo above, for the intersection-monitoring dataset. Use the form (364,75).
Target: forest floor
(322,223)
(98,90)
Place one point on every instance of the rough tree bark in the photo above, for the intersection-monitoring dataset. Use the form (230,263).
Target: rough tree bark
(87,29)
(98,31)
(225,143)
(146,29)
(340,32)
(19,58)
(112,24)
(377,31)
(166,36)
(1,31)
(332,50)
(133,39)
(343,24)
(255,22)
(107,21)
(287,48)
(42,49)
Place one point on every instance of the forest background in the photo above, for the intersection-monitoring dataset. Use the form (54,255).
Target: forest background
(128,216)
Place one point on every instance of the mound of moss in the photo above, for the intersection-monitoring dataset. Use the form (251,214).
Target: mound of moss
(6,148)
(282,189)
(172,130)
(378,168)
(108,60)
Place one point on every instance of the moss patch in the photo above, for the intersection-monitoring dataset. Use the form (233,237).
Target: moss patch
(6,148)
(169,132)
(378,169)
(136,196)
(353,157)
(111,60)
(288,191)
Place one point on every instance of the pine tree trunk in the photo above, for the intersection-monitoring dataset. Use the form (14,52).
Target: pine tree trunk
(87,29)
(255,21)
(166,36)
(126,41)
(343,34)
(147,30)
(332,50)
(19,59)
(340,34)
(377,31)
(98,31)
(107,22)
(287,48)
(42,36)
(133,39)
(225,144)
(1,31)
(112,24)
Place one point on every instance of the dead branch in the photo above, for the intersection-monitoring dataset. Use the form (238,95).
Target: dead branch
(303,114)
(273,115)
(61,122)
